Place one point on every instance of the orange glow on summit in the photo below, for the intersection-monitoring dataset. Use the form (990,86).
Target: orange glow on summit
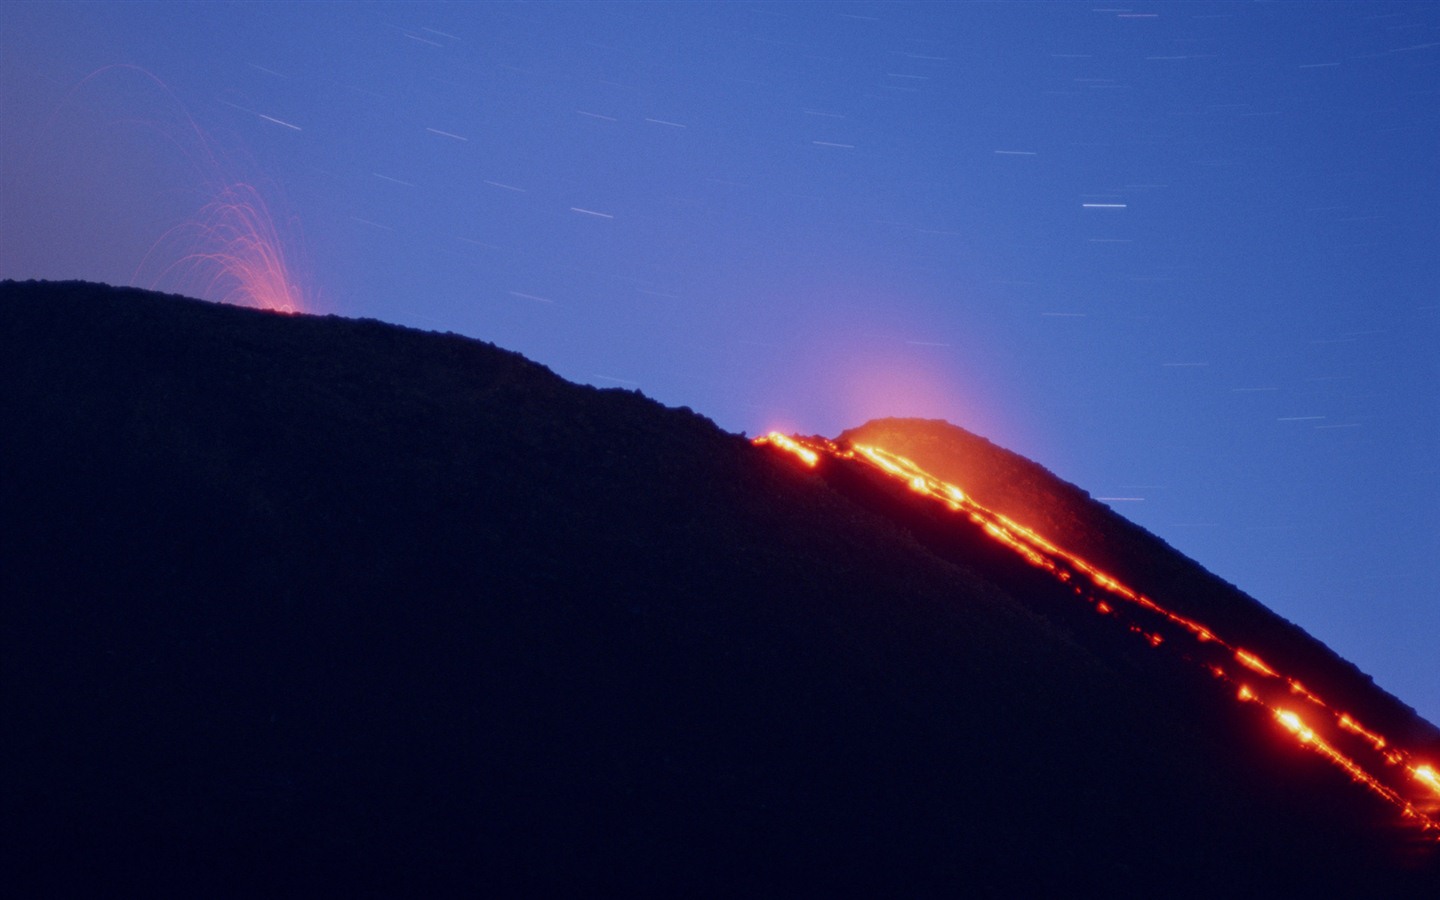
(1371,760)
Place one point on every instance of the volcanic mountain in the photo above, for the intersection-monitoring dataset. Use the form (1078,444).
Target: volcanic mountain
(292,604)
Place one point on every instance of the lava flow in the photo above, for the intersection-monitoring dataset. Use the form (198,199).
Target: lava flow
(1392,773)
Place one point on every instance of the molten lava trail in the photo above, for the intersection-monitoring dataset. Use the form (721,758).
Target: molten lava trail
(1392,773)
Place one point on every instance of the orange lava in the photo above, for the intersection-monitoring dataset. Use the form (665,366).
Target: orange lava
(1388,772)
(1426,775)
(804,454)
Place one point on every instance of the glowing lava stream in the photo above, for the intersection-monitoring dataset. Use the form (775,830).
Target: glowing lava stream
(1253,680)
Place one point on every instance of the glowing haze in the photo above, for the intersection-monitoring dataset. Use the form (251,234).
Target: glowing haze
(1183,254)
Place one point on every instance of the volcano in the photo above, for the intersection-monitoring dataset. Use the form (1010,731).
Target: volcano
(292,604)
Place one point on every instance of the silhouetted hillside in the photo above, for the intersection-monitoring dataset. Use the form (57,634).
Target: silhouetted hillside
(296,604)
(1028,493)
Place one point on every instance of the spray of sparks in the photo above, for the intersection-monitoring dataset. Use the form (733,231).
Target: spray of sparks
(1393,774)
(234,249)
(231,252)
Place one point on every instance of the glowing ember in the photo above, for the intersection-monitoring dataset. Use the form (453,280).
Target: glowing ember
(1292,722)
(1297,688)
(1427,776)
(1322,730)
(1254,663)
(1354,727)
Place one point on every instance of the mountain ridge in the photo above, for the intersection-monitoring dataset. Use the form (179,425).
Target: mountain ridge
(1028,493)
(399,610)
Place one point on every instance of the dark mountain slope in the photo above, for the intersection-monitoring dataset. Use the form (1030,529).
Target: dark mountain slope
(1016,487)
(300,603)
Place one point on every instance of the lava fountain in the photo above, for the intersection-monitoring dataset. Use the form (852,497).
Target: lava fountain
(233,245)
(231,252)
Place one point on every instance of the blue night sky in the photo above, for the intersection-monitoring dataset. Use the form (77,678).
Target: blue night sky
(1184,255)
